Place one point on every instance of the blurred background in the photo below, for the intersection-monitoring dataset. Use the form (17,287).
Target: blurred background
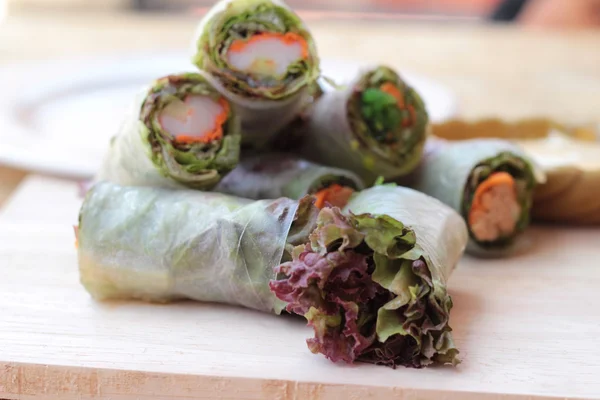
(557,13)
(68,68)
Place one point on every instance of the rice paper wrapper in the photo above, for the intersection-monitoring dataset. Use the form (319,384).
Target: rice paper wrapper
(161,245)
(440,232)
(269,176)
(128,161)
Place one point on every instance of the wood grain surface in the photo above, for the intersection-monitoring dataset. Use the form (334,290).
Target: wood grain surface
(528,328)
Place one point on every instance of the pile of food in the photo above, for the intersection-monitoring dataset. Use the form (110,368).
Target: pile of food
(246,182)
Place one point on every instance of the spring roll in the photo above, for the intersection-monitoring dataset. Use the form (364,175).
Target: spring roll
(372,281)
(377,122)
(180,133)
(162,245)
(489,182)
(277,175)
(567,154)
(261,56)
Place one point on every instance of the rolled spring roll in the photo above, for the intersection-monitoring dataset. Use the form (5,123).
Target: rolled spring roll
(181,133)
(261,56)
(489,182)
(376,126)
(277,175)
(372,284)
(161,245)
(567,154)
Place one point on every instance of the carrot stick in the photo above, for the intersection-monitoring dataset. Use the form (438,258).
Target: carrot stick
(336,195)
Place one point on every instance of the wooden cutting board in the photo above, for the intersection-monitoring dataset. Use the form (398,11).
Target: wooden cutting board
(528,327)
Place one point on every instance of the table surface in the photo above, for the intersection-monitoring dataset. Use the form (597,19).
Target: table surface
(527,328)
(501,70)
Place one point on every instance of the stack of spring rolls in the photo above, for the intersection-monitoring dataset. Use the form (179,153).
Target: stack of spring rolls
(247,183)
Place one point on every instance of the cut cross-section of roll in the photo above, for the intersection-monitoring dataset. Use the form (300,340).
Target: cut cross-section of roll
(377,122)
(183,133)
(495,209)
(489,182)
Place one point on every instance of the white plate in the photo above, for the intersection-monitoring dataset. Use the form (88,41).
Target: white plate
(58,117)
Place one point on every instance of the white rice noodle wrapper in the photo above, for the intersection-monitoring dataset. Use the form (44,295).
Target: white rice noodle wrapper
(440,231)
(281,175)
(162,245)
(128,161)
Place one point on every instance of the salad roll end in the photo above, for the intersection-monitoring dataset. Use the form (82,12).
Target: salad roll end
(191,131)
(388,117)
(365,287)
(257,49)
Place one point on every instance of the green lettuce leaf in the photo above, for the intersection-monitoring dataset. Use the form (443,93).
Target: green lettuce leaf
(372,289)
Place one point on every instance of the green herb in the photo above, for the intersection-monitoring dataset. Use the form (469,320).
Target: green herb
(380,111)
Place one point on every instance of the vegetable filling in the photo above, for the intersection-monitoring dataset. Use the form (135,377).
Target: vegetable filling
(495,209)
(392,112)
(385,111)
(364,286)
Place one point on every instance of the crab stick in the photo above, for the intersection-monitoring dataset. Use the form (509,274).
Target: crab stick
(196,119)
(268,54)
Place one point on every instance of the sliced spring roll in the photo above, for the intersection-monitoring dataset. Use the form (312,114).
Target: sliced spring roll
(271,176)
(372,284)
(489,182)
(181,133)
(162,245)
(376,126)
(567,154)
(261,56)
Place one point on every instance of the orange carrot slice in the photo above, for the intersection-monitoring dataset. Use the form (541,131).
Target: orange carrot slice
(495,179)
(336,195)
(391,89)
